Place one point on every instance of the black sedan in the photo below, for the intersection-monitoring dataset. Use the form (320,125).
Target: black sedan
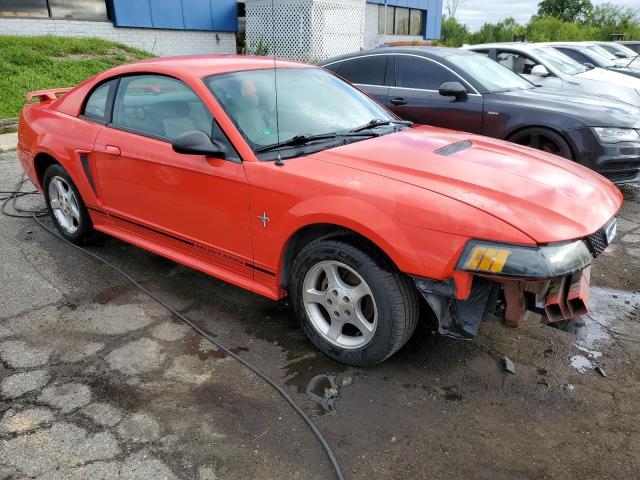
(467,91)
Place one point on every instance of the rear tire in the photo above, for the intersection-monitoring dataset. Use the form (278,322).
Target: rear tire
(353,305)
(543,139)
(66,207)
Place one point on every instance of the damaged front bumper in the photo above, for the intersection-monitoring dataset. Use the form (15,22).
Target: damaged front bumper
(509,283)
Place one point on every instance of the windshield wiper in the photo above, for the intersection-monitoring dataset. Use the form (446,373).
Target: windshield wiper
(304,139)
(632,60)
(377,122)
(296,140)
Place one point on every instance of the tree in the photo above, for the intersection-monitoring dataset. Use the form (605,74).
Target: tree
(452,7)
(572,11)
(454,34)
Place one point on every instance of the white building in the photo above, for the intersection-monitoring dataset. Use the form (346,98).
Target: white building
(313,30)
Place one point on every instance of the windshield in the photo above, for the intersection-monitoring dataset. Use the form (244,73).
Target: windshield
(624,49)
(310,102)
(605,58)
(490,74)
(559,61)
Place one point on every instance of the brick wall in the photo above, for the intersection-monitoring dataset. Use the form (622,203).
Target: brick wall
(158,42)
(371,37)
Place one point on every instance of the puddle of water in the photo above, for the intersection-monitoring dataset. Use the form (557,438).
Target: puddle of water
(201,348)
(607,307)
(278,325)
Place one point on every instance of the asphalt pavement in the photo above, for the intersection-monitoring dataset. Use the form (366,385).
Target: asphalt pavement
(97,381)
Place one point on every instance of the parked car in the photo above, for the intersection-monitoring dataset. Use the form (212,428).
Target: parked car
(620,51)
(318,193)
(591,55)
(453,88)
(546,66)
(632,44)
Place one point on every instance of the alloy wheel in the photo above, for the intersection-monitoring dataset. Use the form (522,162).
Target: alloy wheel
(64,204)
(340,304)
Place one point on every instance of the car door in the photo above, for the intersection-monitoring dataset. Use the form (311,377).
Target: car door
(191,203)
(368,73)
(522,64)
(415,96)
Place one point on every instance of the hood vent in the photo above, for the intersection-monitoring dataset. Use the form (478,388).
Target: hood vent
(453,148)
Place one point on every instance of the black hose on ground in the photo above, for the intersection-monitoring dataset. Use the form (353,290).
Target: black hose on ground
(12,197)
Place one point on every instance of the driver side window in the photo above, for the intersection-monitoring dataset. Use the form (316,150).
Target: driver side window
(516,62)
(159,107)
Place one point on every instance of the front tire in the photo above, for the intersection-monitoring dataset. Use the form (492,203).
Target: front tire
(543,139)
(352,304)
(65,205)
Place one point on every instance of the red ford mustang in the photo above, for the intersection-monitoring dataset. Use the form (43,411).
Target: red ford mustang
(318,193)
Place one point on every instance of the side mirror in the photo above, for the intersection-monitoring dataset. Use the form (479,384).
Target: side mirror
(197,143)
(589,65)
(620,55)
(453,89)
(540,71)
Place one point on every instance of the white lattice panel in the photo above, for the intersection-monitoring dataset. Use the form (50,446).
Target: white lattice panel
(308,30)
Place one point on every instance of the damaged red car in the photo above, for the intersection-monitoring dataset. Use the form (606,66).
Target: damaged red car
(282,179)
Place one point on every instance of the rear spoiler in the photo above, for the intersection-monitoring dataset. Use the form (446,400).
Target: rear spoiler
(49,94)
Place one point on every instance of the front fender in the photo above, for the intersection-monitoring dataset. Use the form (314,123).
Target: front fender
(349,213)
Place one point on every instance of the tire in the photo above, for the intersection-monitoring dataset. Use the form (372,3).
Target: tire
(374,312)
(66,207)
(543,139)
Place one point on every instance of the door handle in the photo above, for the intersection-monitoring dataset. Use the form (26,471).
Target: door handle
(112,150)
(398,101)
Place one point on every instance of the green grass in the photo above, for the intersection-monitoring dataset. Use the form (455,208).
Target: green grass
(35,63)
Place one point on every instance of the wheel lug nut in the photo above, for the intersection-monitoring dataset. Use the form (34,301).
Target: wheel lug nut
(329,301)
(345,299)
(336,314)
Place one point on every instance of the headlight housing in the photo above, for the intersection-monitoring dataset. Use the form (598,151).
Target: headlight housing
(549,261)
(616,135)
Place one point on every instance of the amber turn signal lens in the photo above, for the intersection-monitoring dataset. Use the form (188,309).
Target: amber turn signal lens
(487,259)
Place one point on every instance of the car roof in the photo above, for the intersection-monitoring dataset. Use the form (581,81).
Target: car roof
(431,52)
(575,45)
(203,65)
(517,45)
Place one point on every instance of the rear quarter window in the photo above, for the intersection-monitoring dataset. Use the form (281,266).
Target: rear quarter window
(365,70)
(96,105)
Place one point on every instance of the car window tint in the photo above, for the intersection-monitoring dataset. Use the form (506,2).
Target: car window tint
(413,72)
(577,56)
(96,106)
(516,62)
(334,67)
(160,107)
(365,70)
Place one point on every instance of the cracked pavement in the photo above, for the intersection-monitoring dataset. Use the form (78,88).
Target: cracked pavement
(97,381)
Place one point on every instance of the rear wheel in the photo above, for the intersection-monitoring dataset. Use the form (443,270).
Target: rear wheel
(543,139)
(66,208)
(352,305)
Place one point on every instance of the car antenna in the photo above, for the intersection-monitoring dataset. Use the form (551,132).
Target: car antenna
(279,162)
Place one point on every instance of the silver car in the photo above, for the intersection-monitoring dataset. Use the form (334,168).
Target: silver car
(544,65)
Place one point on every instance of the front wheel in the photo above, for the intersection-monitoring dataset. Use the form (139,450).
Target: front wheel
(352,305)
(543,139)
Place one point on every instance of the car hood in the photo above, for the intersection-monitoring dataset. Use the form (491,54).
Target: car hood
(591,110)
(546,197)
(611,76)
